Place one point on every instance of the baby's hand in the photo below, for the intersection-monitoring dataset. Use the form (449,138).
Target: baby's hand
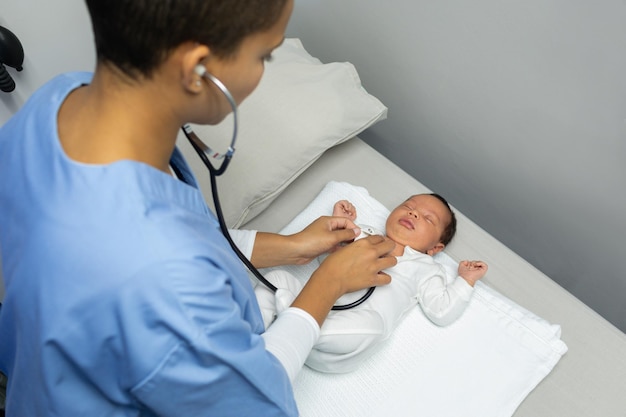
(472,271)
(344,208)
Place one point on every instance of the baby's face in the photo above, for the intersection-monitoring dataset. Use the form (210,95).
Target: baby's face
(419,223)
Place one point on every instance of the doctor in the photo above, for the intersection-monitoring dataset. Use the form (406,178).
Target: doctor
(122,296)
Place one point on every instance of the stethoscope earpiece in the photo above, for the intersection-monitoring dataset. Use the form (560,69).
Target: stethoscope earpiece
(200,70)
(204,151)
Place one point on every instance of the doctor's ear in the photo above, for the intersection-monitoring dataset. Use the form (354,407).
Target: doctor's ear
(193,56)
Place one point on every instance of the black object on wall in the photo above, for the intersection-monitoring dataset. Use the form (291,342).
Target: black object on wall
(11,54)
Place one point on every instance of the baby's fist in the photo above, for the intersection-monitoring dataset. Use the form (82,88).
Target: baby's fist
(472,271)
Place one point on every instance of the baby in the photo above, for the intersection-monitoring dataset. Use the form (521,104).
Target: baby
(421,227)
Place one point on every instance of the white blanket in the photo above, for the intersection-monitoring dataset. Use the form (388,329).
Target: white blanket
(482,365)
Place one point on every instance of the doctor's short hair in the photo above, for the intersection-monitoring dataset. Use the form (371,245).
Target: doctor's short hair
(450,230)
(137,36)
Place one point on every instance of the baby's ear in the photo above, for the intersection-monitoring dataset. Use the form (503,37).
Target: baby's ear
(435,249)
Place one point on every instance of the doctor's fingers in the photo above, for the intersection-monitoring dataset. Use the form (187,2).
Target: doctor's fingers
(380,244)
(368,273)
(337,229)
(371,254)
(381,258)
(357,266)
(341,223)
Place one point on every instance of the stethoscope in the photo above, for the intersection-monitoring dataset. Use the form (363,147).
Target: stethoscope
(205,152)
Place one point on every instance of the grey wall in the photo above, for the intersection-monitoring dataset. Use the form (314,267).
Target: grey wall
(514,110)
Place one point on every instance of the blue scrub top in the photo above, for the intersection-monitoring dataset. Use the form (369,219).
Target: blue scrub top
(122,296)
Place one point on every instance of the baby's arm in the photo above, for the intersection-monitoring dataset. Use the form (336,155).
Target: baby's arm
(444,298)
(344,208)
(472,271)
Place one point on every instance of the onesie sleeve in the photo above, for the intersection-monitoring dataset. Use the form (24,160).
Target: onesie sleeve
(443,303)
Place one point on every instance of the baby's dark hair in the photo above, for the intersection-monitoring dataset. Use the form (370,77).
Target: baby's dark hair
(450,230)
(136,36)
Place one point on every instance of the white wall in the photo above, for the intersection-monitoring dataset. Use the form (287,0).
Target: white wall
(56,36)
(513,110)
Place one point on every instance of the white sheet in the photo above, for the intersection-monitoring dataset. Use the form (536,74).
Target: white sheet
(482,365)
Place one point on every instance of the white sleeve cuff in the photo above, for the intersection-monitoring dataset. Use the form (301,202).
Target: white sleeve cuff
(244,239)
(291,337)
(463,288)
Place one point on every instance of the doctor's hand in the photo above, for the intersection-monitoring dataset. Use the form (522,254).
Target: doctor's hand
(354,267)
(323,235)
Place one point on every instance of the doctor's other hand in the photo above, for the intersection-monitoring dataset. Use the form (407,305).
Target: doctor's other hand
(323,235)
(351,268)
(359,264)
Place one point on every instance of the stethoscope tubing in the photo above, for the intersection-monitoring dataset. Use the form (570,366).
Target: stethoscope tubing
(203,152)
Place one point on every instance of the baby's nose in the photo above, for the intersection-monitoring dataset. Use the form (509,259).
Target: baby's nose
(414,214)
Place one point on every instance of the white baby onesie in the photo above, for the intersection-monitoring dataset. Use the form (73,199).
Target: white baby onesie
(348,336)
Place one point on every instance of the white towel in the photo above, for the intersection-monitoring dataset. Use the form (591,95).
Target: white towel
(482,365)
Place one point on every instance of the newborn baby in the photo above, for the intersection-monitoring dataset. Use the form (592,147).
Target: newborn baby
(421,227)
